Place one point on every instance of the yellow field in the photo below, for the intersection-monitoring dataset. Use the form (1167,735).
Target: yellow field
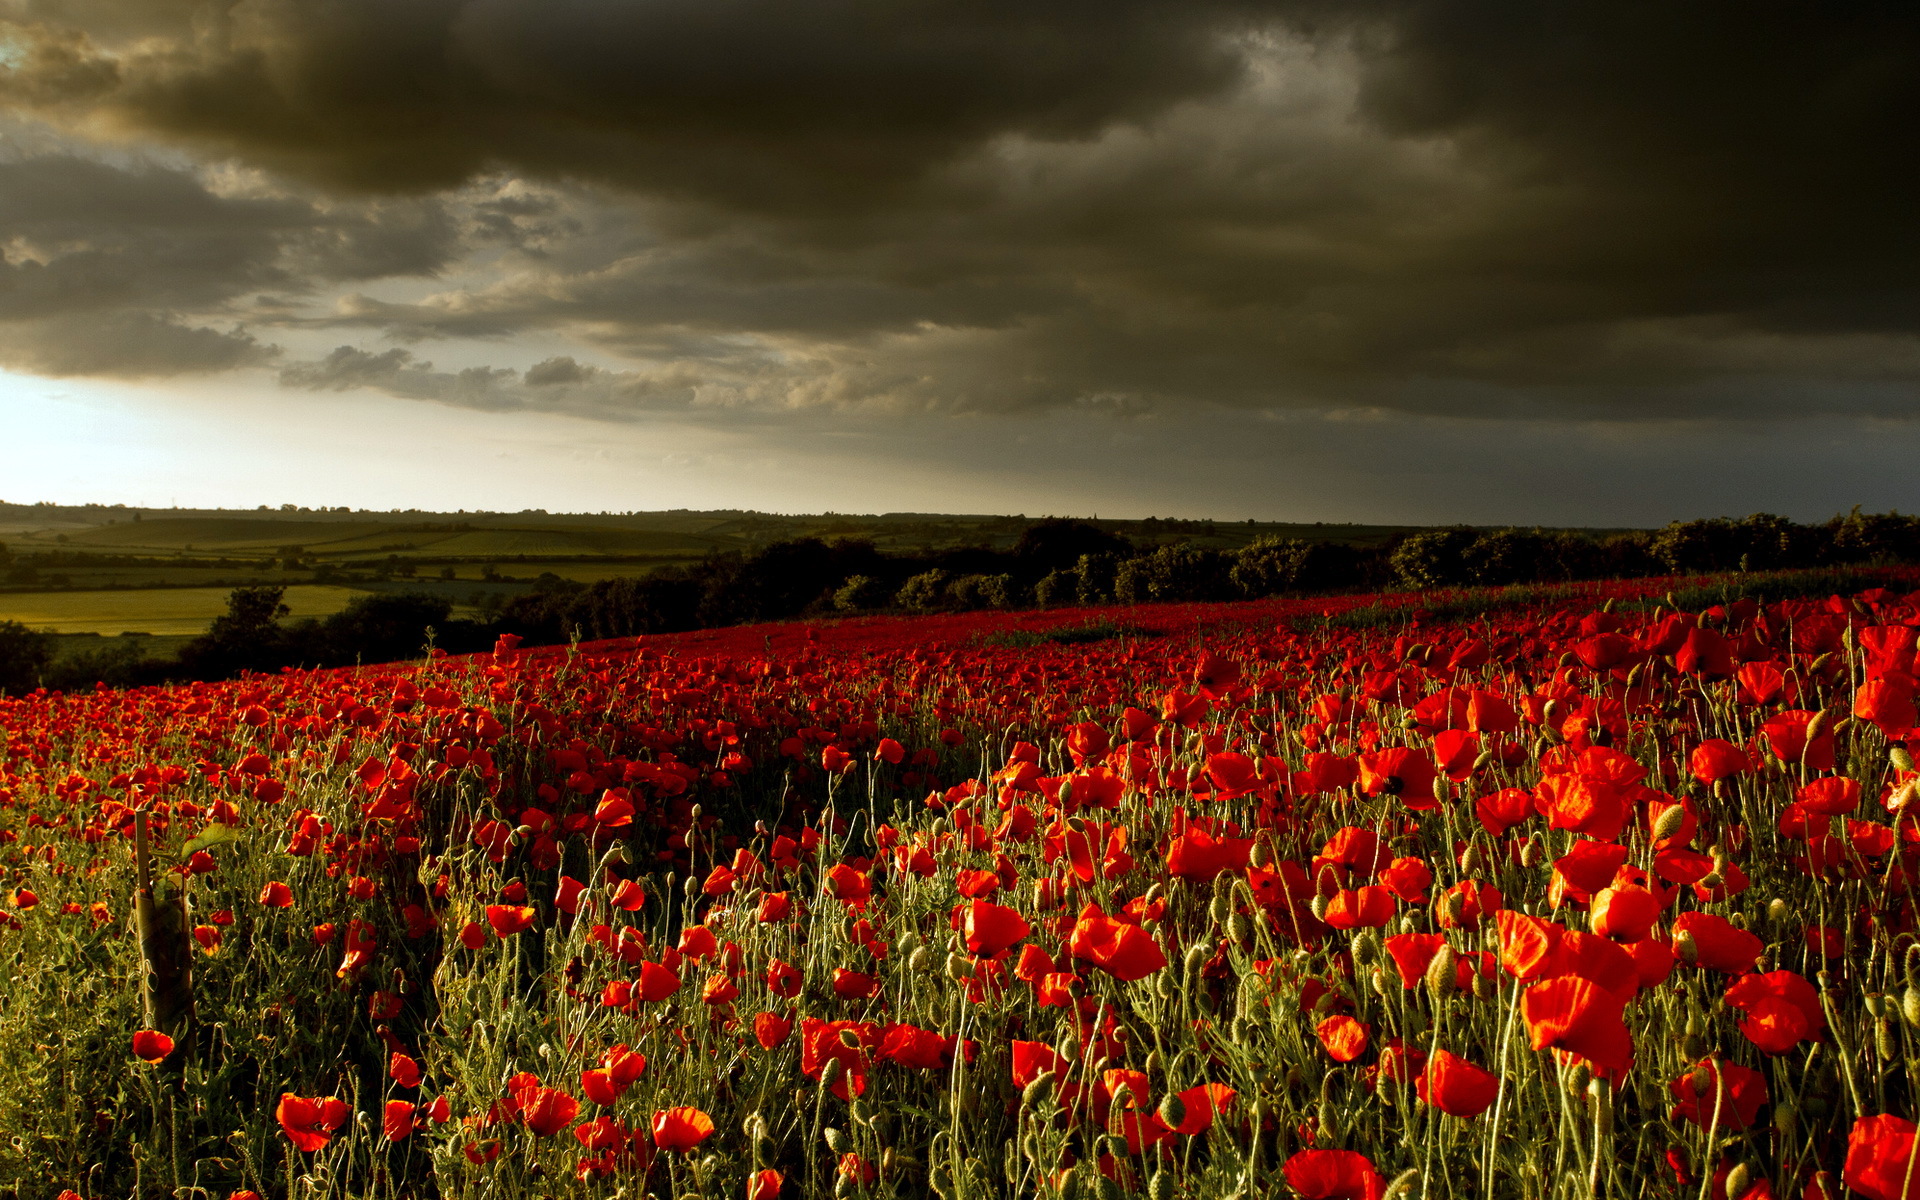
(151,610)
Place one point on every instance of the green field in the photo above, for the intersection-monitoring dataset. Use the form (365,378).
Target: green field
(150,610)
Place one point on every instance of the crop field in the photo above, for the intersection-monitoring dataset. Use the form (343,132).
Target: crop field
(179,610)
(1605,891)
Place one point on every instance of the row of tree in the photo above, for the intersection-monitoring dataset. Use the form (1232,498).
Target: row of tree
(1055,563)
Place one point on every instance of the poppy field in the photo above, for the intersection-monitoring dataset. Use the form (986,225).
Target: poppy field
(1592,892)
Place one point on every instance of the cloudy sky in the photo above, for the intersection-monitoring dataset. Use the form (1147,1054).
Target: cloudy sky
(1594,262)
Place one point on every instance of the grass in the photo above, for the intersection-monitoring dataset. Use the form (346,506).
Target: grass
(151,610)
(1101,630)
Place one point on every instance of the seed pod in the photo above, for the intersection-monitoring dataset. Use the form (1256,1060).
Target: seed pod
(1240,928)
(1173,1110)
(1600,1104)
(1684,948)
(1785,1116)
(1738,1181)
(1037,1091)
(1701,1081)
(1442,975)
(1777,911)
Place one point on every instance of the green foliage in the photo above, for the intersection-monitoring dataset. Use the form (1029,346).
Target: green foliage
(24,657)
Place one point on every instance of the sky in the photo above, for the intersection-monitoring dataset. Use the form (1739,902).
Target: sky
(1593,263)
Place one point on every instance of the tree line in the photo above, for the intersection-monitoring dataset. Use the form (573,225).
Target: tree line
(1055,563)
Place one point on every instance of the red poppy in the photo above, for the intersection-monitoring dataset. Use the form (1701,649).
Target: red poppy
(1882,1162)
(1455,1086)
(1402,772)
(1731,1099)
(509,919)
(1030,1059)
(152,1046)
(1362,908)
(915,1048)
(992,928)
(403,1070)
(774,906)
(1528,945)
(854,985)
(1333,1175)
(1782,1010)
(276,895)
(1195,855)
(770,1029)
(765,1184)
(681,1128)
(656,983)
(1202,1106)
(1581,1017)
(396,1120)
(546,1110)
(1124,951)
(1344,1038)
(1412,953)
(1718,945)
(309,1122)
(1624,913)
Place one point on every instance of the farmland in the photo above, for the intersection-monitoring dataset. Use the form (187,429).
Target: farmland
(1604,890)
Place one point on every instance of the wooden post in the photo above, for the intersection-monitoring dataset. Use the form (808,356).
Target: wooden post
(166,959)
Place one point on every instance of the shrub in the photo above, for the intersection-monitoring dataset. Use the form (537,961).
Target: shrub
(24,656)
(924,592)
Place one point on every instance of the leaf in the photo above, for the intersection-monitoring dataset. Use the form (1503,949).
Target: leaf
(215,834)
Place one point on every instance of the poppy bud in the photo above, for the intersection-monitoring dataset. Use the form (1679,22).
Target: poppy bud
(1406,1183)
(1221,910)
(1173,1111)
(1240,927)
(765,1151)
(1777,911)
(1910,1007)
(1600,1101)
(1037,1091)
(1876,1004)
(1693,1043)
(1819,724)
(1162,1186)
(1884,1040)
(917,961)
(1195,959)
(1685,950)
(830,1073)
(838,1141)
(1670,822)
(1738,1181)
(1166,986)
(1700,1081)
(1484,987)
(1442,975)
(959,967)
(1319,908)
(1785,1116)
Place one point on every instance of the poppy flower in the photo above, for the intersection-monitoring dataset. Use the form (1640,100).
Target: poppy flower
(1731,1099)
(854,985)
(1201,1106)
(1528,945)
(1333,1175)
(1581,1017)
(765,1184)
(774,906)
(1782,1010)
(1031,1059)
(509,919)
(1502,810)
(1717,944)
(276,895)
(152,1046)
(915,1048)
(1412,953)
(403,1070)
(1624,913)
(1881,1160)
(309,1122)
(1369,907)
(992,928)
(656,983)
(1402,772)
(546,1110)
(396,1120)
(1455,1086)
(1198,856)
(771,1029)
(1344,1038)
(681,1128)
(1126,952)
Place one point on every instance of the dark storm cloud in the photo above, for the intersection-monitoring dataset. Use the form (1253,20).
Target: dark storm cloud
(1487,208)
